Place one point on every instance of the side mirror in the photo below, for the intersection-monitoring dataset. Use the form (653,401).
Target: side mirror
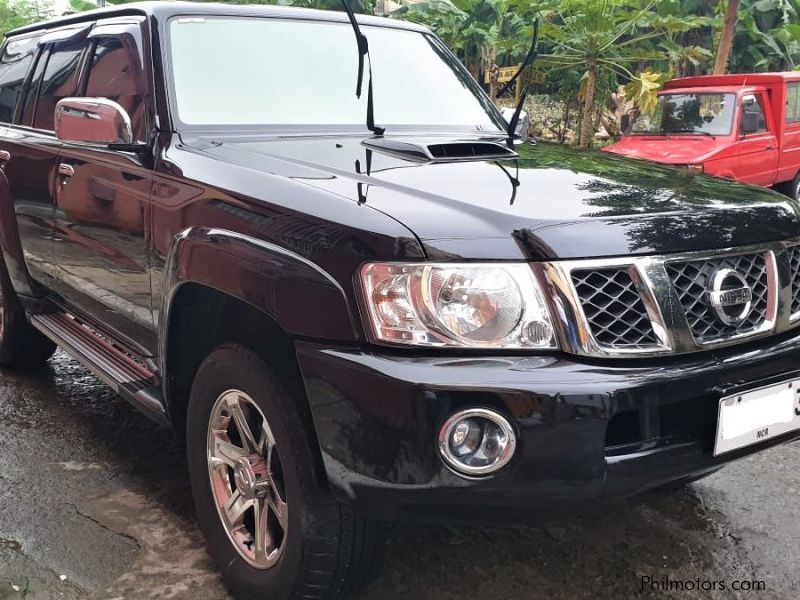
(750,122)
(96,121)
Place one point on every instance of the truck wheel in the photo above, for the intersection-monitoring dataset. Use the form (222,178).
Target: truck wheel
(20,344)
(792,188)
(271,528)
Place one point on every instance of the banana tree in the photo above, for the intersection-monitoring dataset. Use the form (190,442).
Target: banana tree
(767,36)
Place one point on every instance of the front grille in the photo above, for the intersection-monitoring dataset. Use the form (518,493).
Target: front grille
(691,280)
(794,273)
(616,314)
(662,304)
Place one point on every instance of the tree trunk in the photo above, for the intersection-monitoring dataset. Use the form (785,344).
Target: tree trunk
(726,39)
(489,59)
(587,118)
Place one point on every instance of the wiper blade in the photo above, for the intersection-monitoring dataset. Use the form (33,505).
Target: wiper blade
(691,131)
(529,60)
(363,51)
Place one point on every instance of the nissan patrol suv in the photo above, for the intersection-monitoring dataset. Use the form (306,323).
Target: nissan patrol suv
(365,307)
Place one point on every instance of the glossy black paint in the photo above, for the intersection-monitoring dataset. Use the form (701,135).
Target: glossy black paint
(566,204)
(379,446)
(283,222)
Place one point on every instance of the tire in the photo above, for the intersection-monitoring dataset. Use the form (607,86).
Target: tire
(792,188)
(319,548)
(21,346)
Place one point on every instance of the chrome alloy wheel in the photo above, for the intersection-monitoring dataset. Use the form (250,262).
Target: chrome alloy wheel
(246,479)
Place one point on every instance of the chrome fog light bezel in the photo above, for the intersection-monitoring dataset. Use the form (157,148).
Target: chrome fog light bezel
(454,463)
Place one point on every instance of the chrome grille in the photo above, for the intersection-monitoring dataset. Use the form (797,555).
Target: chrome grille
(793,254)
(613,308)
(691,280)
(657,305)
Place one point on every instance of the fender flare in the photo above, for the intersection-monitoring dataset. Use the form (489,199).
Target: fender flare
(303,299)
(10,244)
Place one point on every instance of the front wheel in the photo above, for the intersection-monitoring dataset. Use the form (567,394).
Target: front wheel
(271,528)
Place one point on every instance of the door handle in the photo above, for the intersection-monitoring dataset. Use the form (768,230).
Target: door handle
(770,147)
(66,171)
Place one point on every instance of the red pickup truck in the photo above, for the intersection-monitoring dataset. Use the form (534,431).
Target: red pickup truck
(744,127)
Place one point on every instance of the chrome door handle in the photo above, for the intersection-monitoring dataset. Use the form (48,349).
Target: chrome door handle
(65,170)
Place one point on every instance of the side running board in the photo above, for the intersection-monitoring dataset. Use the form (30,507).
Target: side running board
(128,377)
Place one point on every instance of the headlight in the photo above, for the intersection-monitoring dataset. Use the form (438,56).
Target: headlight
(459,305)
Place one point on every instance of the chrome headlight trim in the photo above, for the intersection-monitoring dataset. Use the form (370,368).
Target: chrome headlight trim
(414,320)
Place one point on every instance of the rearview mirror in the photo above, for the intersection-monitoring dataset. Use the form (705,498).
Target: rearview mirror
(92,121)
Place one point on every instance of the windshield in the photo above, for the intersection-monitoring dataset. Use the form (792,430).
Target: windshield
(710,114)
(271,72)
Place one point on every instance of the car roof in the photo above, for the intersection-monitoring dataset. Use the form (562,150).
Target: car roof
(164,10)
(710,89)
(738,79)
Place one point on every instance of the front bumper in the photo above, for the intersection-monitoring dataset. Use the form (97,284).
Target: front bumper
(588,432)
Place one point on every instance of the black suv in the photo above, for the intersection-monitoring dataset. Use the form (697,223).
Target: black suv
(358,308)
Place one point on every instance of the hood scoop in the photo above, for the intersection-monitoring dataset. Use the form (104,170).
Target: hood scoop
(439,151)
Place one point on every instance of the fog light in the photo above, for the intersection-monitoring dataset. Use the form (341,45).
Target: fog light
(477,441)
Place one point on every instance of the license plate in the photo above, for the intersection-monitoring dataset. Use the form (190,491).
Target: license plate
(757,415)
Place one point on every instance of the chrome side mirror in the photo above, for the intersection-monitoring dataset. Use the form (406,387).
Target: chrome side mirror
(92,121)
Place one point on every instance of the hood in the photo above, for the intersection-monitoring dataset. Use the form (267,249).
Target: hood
(669,150)
(550,202)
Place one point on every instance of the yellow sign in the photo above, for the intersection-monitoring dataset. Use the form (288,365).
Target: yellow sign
(505,74)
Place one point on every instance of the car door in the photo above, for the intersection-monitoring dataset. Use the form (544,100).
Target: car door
(758,143)
(102,197)
(35,72)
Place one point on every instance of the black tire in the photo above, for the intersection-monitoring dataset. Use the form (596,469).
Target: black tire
(328,549)
(21,346)
(792,188)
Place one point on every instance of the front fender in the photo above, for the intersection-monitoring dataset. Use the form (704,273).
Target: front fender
(10,243)
(303,299)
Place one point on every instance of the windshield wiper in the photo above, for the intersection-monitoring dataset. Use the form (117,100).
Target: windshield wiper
(691,131)
(363,51)
(529,60)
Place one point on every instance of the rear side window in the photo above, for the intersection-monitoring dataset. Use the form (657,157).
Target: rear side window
(59,81)
(793,103)
(116,73)
(14,66)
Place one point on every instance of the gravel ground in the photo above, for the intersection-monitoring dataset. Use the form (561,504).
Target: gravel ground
(94,503)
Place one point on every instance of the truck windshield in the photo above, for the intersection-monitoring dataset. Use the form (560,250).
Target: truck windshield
(239,72)
(702,113)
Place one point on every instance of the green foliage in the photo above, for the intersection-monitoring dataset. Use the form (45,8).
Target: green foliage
(359,6)
(481,32)
(16,13)
(767,36)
